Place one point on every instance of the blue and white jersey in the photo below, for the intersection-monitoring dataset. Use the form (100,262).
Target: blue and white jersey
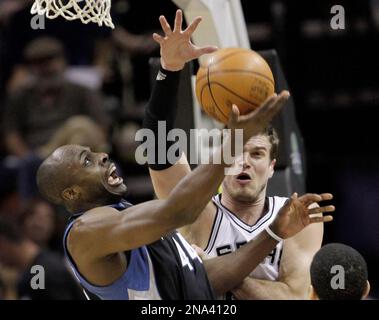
(167,269)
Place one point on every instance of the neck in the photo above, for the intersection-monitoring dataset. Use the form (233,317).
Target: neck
(249,212)
(85,206)
(28,252)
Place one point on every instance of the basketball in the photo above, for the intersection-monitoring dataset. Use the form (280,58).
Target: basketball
(233,76)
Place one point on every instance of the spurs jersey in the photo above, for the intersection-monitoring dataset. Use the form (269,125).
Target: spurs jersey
(229,233)
(167,269)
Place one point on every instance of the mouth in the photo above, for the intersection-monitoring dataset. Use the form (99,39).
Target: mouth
(112,178)
(243,178)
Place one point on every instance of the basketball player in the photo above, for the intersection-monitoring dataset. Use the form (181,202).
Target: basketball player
(242,212)
(120,251)
(338,272)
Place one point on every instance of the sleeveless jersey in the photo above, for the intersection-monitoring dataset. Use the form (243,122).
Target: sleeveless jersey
(167,269)
(229,233)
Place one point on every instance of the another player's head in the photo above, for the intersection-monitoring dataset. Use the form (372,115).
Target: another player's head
(256,167)
(79,179)
(338,272)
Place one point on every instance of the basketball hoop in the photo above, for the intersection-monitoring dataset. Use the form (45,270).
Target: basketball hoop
(97,11)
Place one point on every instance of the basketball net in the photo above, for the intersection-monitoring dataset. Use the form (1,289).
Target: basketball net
(97,11)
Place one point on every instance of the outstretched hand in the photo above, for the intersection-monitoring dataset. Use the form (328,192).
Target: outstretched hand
(256,121)
(300,212)
(176,46)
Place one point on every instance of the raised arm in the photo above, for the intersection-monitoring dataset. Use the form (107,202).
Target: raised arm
(176,50)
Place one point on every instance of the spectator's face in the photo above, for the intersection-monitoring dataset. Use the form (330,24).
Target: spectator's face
(40,224)
(48,72)
(8,253)
(255,167)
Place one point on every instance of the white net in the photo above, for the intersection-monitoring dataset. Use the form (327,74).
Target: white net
(97,11)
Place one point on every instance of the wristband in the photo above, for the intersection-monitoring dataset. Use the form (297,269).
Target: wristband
(273,235)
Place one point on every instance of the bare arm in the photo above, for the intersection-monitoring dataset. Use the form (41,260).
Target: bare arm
(164,181)
(225,272)
(293,282)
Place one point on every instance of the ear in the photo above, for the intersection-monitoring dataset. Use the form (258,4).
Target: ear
(312,293)
(71,193)
(272,165)
(367,290)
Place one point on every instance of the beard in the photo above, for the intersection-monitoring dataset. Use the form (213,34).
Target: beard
(245,195)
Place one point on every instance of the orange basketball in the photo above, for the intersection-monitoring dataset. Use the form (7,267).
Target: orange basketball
(233,76)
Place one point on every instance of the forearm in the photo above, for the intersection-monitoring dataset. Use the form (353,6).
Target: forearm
(195,190)
(257,289)
(228,271)
(162,106)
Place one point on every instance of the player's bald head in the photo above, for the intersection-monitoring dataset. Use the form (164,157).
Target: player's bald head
(57,172)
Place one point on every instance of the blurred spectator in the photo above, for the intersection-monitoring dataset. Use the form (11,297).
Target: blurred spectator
(43,111)
(18,252)
(38,222)
(133,35)
(9,7)
(45,100)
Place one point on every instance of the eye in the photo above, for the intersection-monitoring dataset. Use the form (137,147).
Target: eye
(87,161)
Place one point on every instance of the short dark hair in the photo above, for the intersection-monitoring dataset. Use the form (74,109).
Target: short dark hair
(10,230)
(355,271)
(273,137)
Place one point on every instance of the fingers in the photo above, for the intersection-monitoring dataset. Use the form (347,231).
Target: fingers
(158,38)
(262,110)
(309,198)
(321,209)
(234,114)
(178,21)
(205,50)
(192,27)
(278,104)
(165,26)
(327,218)
(326,196)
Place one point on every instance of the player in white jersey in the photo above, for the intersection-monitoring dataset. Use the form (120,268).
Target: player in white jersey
(241,212)
(230,232)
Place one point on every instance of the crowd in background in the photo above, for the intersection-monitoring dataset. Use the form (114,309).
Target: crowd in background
(81,84)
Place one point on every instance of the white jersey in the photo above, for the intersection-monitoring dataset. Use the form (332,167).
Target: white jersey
(229,233)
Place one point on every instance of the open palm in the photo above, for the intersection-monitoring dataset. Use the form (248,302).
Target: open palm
(299,212)
(176,46)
